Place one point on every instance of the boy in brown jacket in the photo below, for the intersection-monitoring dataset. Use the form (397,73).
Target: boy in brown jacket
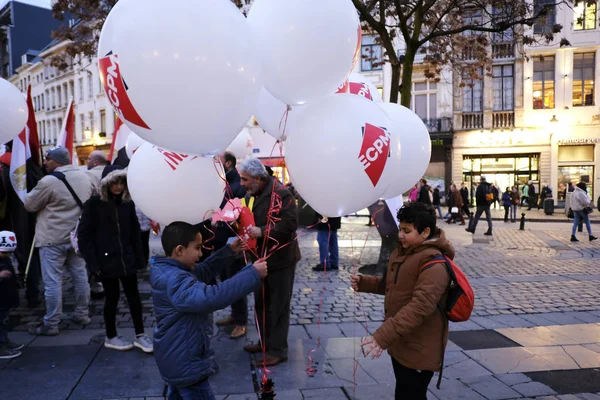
(415,331)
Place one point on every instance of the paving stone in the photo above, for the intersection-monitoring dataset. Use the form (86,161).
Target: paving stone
(322,394)
(324,331)
(453,389)
(351,372)
(490,387)
(367,392)
(465,369)
(513,379)
(533,389)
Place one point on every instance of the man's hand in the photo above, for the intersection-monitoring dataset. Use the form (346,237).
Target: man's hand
(254,232)
(354,281)
(261,267)
(238,245)
(5,274)
(374,348)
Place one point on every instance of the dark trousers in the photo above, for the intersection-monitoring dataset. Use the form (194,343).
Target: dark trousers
(111,302)
(277,288)
(4,321)
(488,217)
(410,383)
(239,308)
(506,211)
(146,245)
(197,391)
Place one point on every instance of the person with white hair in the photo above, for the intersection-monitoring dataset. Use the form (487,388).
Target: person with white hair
(275,231)
(96,162)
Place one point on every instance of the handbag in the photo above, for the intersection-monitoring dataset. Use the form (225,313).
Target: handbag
(454,210)
(570,214)
(588,210)
(73,235)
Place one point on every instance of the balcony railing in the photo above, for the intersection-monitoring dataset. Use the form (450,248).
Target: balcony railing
(503,119)
(472,120)
(438,125)
(503,50)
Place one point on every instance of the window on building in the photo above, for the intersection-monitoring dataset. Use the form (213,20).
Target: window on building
(504,82)
(472,16)
(103,121)
(585,13)
(92,127)
(82,124)
(425,99)
(472,93)
(81,89)
(546,21)
(59,95)
(372,56)
(90,86)
(53,96)
(543,82)
(583,79)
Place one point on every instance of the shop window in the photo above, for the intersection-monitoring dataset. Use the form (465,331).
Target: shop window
(547,21)
(473,93)
(585,13)
(574,175)
(583,79)
(543,82)
(503,88)
(576,153)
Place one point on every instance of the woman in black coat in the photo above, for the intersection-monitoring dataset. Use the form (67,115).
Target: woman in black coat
(110,241)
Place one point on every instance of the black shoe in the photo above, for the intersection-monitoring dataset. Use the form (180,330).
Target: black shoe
(336,267)
(470,231)
(488,233)
(574,239)
(593,238)
(318,267)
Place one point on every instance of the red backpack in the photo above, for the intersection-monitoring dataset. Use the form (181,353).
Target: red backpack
(461,298)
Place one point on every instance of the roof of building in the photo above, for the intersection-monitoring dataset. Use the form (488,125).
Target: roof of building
(37,3)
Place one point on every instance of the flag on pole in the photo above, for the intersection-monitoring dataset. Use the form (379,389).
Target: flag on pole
(34,139)
(21,152)
(118,154)
(66,138)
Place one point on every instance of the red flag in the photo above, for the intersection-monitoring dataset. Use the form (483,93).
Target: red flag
(118,124)
(67,133)
(34,140)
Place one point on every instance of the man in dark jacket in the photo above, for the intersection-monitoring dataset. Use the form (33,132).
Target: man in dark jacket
(425,195)
(239,309)
(533,197)
(464,193)
(276,220)
(483,197)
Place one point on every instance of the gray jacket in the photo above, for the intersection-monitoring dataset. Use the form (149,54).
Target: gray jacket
(580,200)
(58,211)
(95,175)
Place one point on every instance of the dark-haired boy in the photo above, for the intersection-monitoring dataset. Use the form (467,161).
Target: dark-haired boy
(182,303)
(415,332)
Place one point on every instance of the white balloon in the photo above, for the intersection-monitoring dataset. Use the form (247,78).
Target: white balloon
(270,113)
(190,85)
(338,152)
(362,86)
(13,111)
(416,149)
(134,141)
(169,186)
(241,147)
(307,46)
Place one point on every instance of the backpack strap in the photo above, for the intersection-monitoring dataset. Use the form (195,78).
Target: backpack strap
(61,177)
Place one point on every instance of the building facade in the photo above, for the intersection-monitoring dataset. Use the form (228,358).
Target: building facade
(536,118)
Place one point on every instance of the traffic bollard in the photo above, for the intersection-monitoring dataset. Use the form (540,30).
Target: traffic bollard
(522,226)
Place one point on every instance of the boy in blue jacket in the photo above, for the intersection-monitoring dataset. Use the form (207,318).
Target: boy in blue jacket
(182,304)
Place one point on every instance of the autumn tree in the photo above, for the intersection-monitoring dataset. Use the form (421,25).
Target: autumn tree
(450,32)
(83,32)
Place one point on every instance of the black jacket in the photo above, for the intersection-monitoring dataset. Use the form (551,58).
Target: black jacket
(235,188)
(436,197)
(464,193)
(280,229)
(332,223)
(9,291)
(424,195)
(109,236)
(483,189)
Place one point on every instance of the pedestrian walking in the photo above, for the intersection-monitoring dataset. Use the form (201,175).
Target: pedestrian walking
(483,197)
(437,200)
(506,203)
(456,201)
(496,193)
(111,243)
(516,200)
(464,193)
(58,198)
(425,195)
(582,206)
(414,194)
(532,196)
(327,238)
(525,196)
(9,294)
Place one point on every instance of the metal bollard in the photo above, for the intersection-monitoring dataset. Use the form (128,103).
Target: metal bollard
(522,226)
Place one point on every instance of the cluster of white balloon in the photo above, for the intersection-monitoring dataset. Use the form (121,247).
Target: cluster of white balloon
(187,78)
(13,111)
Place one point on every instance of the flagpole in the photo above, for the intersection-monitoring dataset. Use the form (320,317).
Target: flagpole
(30,255)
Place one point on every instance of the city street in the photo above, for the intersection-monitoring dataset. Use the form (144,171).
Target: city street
(535,330)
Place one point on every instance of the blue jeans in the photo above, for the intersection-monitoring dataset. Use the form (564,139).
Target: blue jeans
(199,391)
(513,212)
(488,217)
(439,210)
(581,216)
(328,252)
(3,328)
(55,261)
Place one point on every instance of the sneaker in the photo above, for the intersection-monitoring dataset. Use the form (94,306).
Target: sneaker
(43,330)
(6,353)
(80,320)
(143,342)
(238,332)
(593,238)
(13,345)
(488,233)
(574,239)
(118,343)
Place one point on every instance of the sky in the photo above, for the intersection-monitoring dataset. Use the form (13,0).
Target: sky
(39,3)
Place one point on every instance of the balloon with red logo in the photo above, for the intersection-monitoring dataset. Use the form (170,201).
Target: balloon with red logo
(362,86)
(273,115)
(413,161)
(173,86)
(13,111)
(169,186)
(307,46)
(134,141)
(338,152)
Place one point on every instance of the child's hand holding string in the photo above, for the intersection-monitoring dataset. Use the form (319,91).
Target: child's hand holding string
(375,350)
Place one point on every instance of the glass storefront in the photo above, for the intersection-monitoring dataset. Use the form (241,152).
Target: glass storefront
(503,170)
(575,174)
